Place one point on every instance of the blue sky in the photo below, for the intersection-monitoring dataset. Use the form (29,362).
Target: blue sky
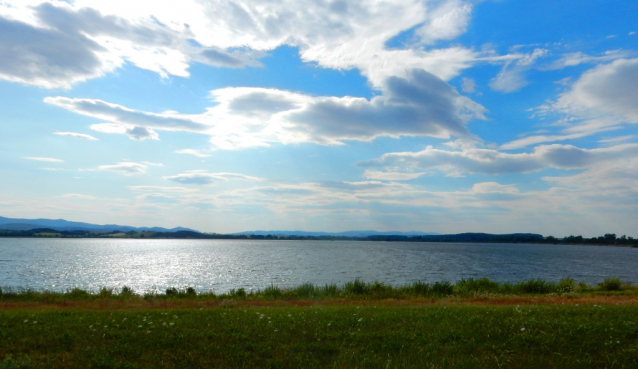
(438,116)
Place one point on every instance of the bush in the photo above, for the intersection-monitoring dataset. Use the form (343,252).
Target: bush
(126,292)
(106,293)
(567,285)
(329,290)
(442,288)
(611,284)
(172,291)
(477,285)
(77,294)
(356,287)
(420,288)
(535,286)
(306,290)
(241,293)
(273,292)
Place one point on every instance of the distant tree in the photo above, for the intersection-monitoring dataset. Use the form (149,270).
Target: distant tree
(610,237)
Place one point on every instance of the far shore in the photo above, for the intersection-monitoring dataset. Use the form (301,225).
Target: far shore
(525,238)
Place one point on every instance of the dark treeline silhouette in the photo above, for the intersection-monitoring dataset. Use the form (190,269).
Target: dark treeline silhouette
(607,239)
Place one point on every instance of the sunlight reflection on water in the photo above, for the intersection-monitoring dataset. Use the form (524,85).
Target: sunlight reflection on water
(221,265)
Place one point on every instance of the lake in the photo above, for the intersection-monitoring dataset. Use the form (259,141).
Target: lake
(220,265)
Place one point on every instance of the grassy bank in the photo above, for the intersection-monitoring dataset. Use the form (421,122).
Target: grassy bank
(473,323)
(317,336)
(357,289)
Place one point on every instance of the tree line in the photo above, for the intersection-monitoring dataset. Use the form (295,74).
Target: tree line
(607,239)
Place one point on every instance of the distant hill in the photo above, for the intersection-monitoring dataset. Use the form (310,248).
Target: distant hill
(15,224)
(338,234)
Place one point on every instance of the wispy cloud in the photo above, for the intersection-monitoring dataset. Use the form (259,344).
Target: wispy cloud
(162,189)
(193,152)
(48,160)
(202,177)
(77,135)
(253,117)
(489,161)
(127,168)
(390,176)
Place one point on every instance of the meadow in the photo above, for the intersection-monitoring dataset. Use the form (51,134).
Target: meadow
(472,323)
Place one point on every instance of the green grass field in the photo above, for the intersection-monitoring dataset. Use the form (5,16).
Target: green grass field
(479,324)
(533,336)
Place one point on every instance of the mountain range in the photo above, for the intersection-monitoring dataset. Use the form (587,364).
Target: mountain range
(338,234)
(16,224)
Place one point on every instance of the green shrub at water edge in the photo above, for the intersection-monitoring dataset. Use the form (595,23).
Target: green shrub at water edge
(611,284)
(356,287)
(470,285)
(567,285)
(273,292)
(535,286)
(441,289)
(306,290)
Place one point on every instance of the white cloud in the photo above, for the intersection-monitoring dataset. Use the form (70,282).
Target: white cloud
(446,22)
(162,189)
(468,85)
(49,160)
(167,38)
(157,198)
(202,177)
(533,140)
(250,117)
(79,196)
(390,176)
(606,91)
(192,152)
(512,77)
(574,59)
(617,139)
(494,187)
(488,161)
(127,168)
(124,116)
(75,134)
(133,132)
(62,44)
(600,100)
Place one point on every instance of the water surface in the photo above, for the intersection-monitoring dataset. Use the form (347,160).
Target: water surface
(221,265)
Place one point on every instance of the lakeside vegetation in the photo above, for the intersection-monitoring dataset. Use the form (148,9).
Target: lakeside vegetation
(357,289)
(607,239)
(474,323)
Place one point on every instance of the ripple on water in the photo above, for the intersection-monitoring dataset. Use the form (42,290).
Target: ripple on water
(221,265)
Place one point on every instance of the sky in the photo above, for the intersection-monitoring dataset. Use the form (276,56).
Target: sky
(446,116)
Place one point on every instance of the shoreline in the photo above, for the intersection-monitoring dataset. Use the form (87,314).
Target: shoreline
(318,239)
